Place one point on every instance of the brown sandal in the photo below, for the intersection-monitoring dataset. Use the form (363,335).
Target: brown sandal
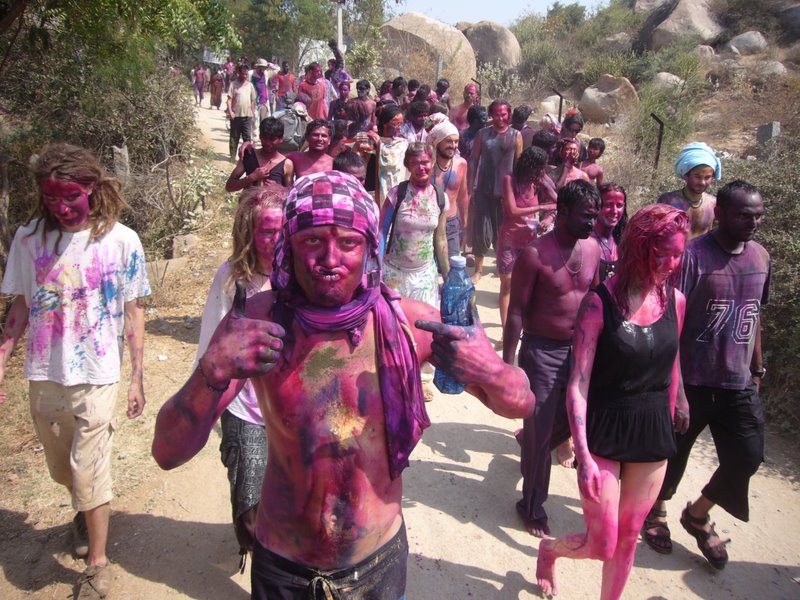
(716,555)
(656,534)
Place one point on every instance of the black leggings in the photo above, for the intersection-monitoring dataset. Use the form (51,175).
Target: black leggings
(736,421)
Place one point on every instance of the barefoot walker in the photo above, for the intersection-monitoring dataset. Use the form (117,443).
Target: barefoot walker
(623,384)
(333,357)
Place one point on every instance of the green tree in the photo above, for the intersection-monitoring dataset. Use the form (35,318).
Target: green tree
(95,73)
(566,17)
(276,29)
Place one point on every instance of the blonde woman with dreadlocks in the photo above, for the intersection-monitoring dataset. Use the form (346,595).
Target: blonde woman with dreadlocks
(79,278)
(243,450)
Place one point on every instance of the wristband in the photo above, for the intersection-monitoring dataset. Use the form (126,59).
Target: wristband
(760,373)
(218,390)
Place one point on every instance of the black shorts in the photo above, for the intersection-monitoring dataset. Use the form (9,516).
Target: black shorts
(380,576)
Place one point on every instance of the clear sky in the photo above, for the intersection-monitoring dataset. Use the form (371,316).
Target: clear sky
(504,12)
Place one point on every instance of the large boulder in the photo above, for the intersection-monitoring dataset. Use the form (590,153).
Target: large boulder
(493,43)
(667,82)
(771,68)
(690,17)
(749,42)
(415,42)
(607,99)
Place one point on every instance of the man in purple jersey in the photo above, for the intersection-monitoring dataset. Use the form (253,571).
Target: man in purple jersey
(725,277)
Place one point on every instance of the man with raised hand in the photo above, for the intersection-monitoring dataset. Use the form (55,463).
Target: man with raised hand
(333,356)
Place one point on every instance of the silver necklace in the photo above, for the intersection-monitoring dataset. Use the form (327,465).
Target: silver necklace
(564,262)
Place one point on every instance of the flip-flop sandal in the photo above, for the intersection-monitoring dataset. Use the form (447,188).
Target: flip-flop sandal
(656,534)
(716,555)
(94,582)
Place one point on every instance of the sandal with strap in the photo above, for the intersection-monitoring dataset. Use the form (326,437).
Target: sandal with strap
(655,533)
(716,555)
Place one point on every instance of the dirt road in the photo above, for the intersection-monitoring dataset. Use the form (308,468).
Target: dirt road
(171,535)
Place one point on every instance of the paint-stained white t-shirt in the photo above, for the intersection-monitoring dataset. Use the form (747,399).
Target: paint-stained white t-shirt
(76,297)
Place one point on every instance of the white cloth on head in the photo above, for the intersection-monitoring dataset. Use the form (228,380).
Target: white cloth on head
(694,155)
(440,132)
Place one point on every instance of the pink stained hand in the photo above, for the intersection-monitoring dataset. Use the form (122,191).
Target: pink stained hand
(590,483)
(241,347)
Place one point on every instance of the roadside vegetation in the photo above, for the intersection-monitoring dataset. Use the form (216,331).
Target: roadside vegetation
(114,74)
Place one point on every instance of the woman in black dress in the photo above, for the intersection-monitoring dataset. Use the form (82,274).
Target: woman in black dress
(621,397)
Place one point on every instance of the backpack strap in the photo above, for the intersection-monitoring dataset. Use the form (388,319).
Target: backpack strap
(440,199)
(387,230)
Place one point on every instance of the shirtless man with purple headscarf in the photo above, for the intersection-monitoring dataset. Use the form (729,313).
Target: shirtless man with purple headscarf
(334,359)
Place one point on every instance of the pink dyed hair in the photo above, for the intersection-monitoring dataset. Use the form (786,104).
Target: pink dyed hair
(646,228)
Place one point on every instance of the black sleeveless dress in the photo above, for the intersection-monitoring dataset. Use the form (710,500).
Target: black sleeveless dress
(628,415)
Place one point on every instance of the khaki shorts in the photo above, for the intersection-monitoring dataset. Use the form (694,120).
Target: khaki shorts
(75,425)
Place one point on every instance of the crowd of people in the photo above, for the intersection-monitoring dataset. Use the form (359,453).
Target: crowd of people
(319,331)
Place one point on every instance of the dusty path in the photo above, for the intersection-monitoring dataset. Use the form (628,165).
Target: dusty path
(171,537)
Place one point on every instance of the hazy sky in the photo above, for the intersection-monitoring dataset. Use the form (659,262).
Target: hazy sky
(500,11)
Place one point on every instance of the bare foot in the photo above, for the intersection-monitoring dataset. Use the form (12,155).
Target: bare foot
(498,345)
(534,527)
(546,569)
(537,529)
(565,454)
(476,277)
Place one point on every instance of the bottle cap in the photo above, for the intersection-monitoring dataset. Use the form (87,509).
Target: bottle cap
(459,262)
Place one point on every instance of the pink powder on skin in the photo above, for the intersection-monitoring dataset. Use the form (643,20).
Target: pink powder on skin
(268,223)
(67,201)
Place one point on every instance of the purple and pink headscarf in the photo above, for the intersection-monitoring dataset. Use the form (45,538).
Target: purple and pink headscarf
(334,198)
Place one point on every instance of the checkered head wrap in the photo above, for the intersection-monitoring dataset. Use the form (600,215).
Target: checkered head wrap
(328,198)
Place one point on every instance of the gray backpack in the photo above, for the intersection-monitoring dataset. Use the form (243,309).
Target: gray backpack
(294,130)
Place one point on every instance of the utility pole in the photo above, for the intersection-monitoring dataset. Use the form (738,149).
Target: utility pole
(339,33)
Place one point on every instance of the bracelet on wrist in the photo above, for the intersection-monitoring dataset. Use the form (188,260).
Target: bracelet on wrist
(217,390)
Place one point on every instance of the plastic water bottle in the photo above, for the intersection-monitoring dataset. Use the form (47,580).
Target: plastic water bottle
(456,307)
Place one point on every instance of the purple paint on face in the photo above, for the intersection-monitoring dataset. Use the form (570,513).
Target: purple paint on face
(328,263)
(68,202)
(267,224)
